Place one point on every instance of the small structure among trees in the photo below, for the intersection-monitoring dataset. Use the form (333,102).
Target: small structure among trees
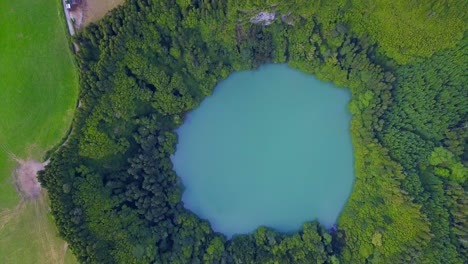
(71,4)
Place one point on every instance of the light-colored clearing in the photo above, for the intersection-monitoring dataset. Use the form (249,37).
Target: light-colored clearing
(26,178)
(97,9)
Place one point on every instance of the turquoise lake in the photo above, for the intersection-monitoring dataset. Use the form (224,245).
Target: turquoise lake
(271,147)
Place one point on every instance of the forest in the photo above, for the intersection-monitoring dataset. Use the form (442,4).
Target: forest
(116,198)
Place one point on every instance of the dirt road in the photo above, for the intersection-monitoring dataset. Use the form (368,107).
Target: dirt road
(71,29)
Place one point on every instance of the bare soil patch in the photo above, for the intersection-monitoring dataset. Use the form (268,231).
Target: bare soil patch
(93,10)
(89,11)
(26,178)
(77,14)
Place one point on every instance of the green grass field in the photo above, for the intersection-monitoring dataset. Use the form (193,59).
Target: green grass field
(38,90)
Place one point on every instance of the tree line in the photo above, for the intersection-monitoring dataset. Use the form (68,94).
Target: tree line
(116,198)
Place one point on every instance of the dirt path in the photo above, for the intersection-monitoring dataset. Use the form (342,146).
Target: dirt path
(71,28)
(29,220)
(41,225)
(30,216)
(8,215)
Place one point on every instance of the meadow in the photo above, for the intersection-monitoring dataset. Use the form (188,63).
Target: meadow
(38,92)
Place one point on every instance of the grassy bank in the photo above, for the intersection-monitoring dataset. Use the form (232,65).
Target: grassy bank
(38,91)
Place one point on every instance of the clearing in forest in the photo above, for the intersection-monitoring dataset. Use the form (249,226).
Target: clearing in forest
(96,9)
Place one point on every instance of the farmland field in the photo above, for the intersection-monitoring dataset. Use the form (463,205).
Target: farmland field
(38,91)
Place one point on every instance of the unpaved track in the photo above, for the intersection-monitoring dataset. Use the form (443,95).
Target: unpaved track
(8,215)
(38,230)
(71,29)
(30,216)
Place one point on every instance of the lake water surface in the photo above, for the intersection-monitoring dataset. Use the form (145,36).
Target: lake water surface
(270,147)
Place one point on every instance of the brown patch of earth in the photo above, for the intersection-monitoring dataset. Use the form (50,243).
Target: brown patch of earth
(90,11)
(76,14)
(94,10)
(26,178)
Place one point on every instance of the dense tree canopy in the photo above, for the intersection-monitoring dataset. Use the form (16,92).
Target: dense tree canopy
(114,194)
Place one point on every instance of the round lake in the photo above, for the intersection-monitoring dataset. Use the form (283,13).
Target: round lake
(270,147)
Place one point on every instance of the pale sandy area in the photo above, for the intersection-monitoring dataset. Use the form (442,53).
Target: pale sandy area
(89,11)
(96,9)
(26,178)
